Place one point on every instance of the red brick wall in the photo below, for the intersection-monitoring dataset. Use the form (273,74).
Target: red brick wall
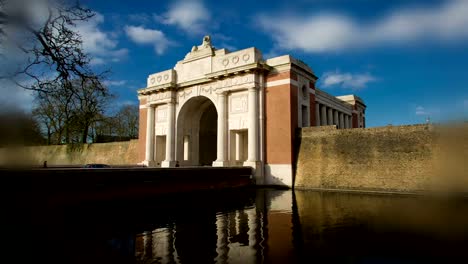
(293,111)
(355,121)
(280,119)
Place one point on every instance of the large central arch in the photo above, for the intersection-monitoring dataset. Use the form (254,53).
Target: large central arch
(197,132)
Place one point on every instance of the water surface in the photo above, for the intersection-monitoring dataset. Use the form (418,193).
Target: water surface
(252,226)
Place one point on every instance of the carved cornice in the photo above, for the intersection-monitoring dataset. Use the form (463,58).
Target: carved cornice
(193,82)
(157,88)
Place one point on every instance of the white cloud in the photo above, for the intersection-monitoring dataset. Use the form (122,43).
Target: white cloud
(99,43)
(334,32)
(115,83)
(143,35)
(190,15)
(95,40)
(423,111)
(347,80)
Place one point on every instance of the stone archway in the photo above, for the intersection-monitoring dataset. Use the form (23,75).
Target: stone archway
(197,132)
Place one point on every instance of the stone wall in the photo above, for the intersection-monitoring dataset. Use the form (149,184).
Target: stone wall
(115,153)
(394,158)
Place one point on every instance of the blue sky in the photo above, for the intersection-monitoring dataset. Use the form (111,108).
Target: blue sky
(407,59)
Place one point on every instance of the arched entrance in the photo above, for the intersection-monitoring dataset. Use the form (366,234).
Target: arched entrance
(197,132)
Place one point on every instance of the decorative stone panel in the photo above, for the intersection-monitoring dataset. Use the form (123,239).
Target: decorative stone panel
(161,114)
(160,78)
(238,104)
(236,59)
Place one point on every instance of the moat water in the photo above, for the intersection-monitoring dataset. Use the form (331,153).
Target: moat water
(249,226)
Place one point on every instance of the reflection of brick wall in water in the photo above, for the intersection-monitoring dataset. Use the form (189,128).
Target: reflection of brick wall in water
(393,158)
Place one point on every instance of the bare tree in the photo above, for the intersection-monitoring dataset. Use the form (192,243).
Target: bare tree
(47,43)
(55,114)
(89,105)
(45,114)
(119,127)
(127,121)
(67,115)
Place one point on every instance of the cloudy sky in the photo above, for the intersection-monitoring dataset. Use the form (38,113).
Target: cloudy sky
(407,59)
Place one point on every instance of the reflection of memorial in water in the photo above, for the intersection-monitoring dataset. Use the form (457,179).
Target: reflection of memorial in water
(237,236)
(288,227)
(156,245)
(220,238)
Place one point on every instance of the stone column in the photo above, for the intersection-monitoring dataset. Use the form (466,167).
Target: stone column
(221,145)
(341,121)
(317,114)
(323,118)
(170,137)
(149,154)
(346,121)
(330,116)
(335,118)
(252,158)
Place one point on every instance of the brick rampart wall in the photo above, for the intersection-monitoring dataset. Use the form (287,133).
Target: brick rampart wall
(394,158)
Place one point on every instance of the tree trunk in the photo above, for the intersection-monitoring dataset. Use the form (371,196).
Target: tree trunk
(85,133)
(49,135)
(67,134)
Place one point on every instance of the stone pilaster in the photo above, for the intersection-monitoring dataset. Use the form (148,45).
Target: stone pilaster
(323,118)
(330,116)
(317,114)
(341,121)
(335,118)
(252,159)
(170,137)
(149,149)
(221,146)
